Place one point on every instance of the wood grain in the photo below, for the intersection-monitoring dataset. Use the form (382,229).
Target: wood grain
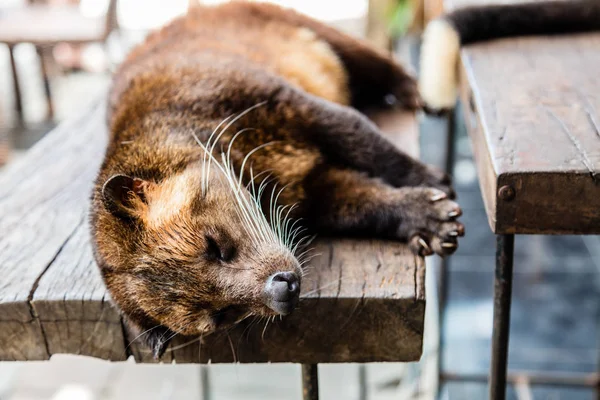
(42,201)
(362,300)
(73,305)
(485,167)
(536,104)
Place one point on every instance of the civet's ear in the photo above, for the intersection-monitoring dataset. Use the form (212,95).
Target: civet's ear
(121,193)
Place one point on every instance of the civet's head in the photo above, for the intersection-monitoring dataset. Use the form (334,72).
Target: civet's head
(192,253)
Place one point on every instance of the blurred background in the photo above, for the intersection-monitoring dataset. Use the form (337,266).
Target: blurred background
(56,56)
(61,53)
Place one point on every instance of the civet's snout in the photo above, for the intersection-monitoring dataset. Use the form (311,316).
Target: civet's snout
(282,291)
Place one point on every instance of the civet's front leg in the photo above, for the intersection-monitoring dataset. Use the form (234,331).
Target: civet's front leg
(344,201)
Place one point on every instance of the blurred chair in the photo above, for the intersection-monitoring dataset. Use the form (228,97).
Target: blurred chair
(45,26)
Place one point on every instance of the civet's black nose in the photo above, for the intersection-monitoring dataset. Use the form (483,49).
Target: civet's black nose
(282,291)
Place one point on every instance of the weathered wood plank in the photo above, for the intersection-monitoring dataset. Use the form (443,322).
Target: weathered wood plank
(531,107)
(42,198)
(363,300)
(21,337)
(532,110)
(73,307)
(68,298)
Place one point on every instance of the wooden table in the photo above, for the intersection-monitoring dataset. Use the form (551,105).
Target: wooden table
(45,26)
(532,110)
(364,300)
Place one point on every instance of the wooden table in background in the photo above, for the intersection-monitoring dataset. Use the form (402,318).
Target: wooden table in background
(532,110)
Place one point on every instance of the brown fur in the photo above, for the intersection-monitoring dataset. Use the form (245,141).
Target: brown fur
(177,260)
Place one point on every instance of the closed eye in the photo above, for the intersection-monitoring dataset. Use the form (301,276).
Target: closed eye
(214,251)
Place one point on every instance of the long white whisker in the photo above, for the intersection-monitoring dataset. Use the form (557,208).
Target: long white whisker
(305,252)
(299,243)
(226,127)
(233,140)
(267,171)
(251,208)
(304,263)
(280,211)
(256,199)
(280,229)
(297,231)
(204,157)
(228,172)
(292,229)
(181,346)
(243,166)
(337,281)
(277,199)
(233,121)
(245,210)
(288,219)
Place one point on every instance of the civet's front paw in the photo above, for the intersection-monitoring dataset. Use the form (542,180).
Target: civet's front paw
(428,221)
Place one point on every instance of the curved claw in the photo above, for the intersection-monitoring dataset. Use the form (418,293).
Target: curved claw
(438,197)
(426,249)
(454,213)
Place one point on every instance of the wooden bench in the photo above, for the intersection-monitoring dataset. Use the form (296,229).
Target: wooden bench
(532,111)
(363,301)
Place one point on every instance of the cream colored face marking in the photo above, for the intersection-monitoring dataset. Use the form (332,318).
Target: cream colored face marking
(172,197)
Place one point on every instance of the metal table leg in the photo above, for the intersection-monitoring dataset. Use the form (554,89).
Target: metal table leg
(450,142)
(47,90)
(310,382)
(205,383)
(449,168)
(502,299)
(16,86)
(445,262)
(362,382)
